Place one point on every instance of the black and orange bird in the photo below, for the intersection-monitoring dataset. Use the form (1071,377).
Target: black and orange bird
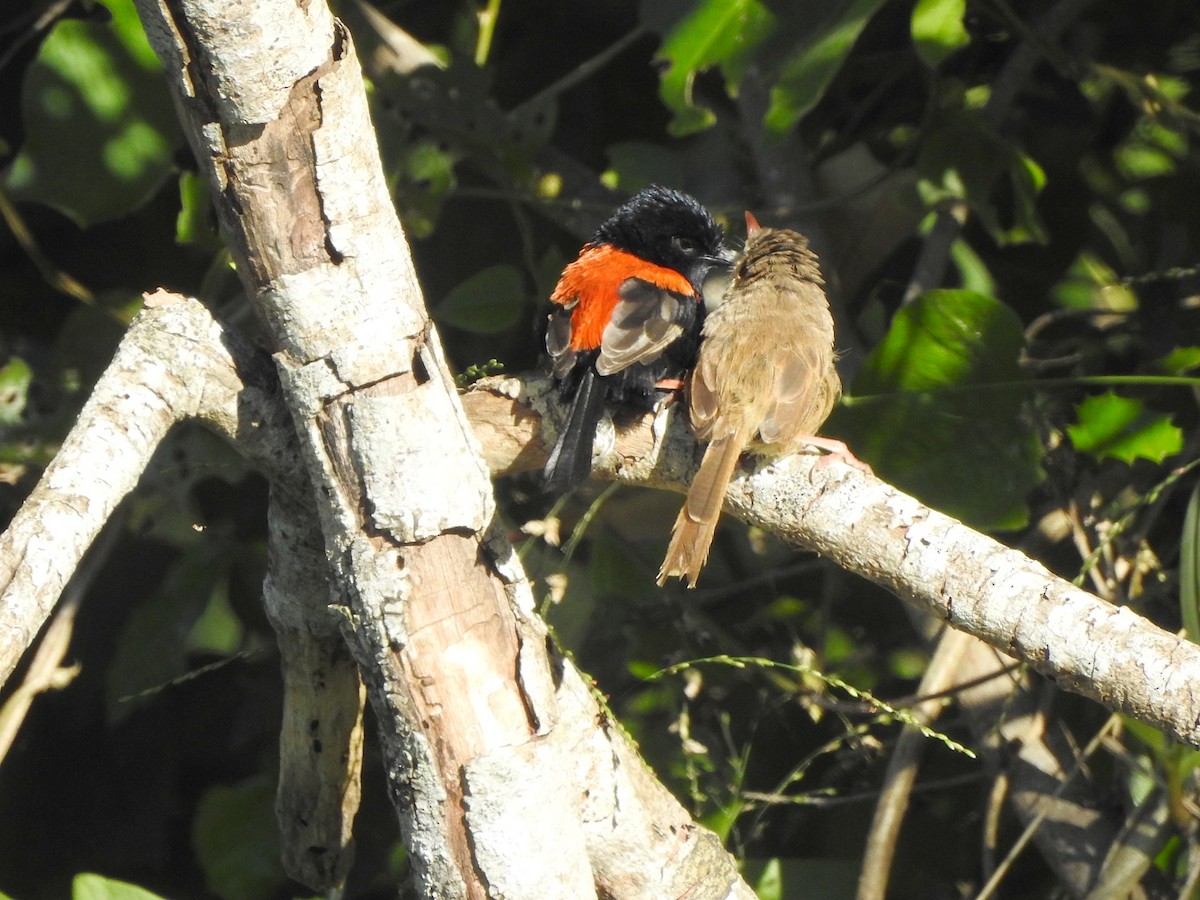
(764,381)
(627,317)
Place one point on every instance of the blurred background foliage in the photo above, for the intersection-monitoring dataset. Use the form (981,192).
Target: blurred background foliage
(1003,194)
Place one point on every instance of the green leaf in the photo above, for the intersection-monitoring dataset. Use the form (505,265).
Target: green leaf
(100,127)
(1180,361)
(89,886)
(425,176)
(488,302)
(810,69)
(15,379)
(776,879)
(196,223)
(937,29)
(769,884)
(923,414)
(1110,425)
(237,840)
(972,270)
(1189,574)
(963,158)
(218,630)
(152,647)
(720,33)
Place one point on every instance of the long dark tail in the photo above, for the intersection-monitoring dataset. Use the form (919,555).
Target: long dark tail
(570,461)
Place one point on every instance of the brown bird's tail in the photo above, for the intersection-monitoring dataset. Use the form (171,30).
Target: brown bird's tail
(697,523)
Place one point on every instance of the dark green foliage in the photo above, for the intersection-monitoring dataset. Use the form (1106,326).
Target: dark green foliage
(1042,373)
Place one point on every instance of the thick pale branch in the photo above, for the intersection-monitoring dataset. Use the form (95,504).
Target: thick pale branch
(171,366)
(174,364)
(962,577)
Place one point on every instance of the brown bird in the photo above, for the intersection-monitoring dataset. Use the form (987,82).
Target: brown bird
(765,380)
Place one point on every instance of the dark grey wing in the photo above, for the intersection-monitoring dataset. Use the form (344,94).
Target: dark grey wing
(558,341)
(644,322)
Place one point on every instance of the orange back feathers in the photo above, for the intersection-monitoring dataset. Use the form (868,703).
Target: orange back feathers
(592,284)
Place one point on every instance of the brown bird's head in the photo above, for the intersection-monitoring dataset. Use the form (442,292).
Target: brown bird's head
(778,251)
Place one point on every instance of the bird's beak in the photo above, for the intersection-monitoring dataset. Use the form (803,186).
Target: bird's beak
(716,283)
(717,277)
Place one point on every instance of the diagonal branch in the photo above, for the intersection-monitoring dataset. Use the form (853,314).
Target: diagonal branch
(172,366)
(961,577)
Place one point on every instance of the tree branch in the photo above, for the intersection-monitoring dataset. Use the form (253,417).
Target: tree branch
(172,365)
(961,577)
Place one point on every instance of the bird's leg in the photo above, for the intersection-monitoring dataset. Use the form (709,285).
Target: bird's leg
(835,450)
(672,389)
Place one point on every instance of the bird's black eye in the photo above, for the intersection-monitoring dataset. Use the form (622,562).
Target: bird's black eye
(684,244)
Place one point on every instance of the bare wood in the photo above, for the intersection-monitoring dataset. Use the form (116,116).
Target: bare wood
(648,453)
(640,841)
(177,363)
(652,453)
(321,735)
(280,130)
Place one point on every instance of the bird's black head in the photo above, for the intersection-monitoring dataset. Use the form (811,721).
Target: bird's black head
(668,228)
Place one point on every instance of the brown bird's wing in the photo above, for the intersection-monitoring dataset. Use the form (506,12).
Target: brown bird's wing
(644,322)
(703,403)
(803,393)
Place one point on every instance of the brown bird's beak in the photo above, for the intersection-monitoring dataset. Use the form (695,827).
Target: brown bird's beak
(752,226)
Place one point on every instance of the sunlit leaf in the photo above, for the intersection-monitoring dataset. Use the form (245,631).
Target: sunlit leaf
(908,663)
(1189,574)
(89,886)
(721,33)
(1139,161)
(424,177)
(218,630)
(769,883)
(1181,361)
(1109,425)
(972,270)
(15,379)
(196,222)
(489,301)
(937,29)
(99,124)
(924,416)
(1093,283)
(809,71)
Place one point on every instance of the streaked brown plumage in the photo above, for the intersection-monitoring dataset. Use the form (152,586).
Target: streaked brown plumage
(764,381)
